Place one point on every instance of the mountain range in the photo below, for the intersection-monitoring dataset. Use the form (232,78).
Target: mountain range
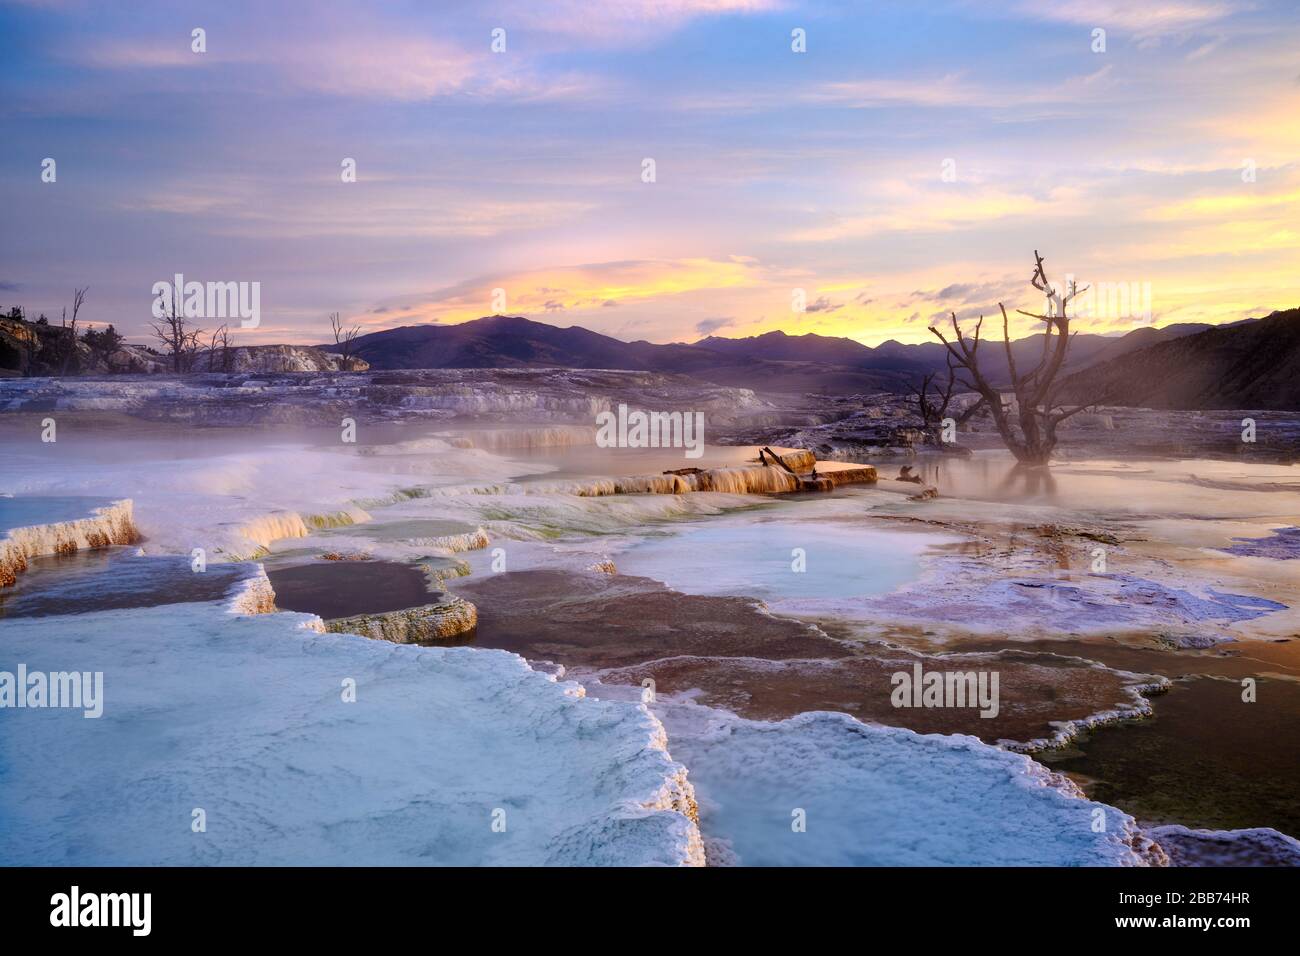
(915,360)
(1252,363)
(504,341)
(1246,365)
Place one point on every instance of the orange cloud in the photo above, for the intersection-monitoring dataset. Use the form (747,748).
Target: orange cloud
(585,287)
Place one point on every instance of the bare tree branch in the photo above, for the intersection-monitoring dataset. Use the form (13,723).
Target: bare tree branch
(344,339)
(1031,437)
(68,346)
(220,340)
(934,410)
(177,338)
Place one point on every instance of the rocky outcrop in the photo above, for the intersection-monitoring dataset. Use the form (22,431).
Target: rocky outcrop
(844,473)
(474,540)
(276,358)
(443,620)
(32,348)
(799,471)
(800,460)
(136,360)
(253,595)
(38,348)
(18,345)
(107,526)
(253,538)
(514,397)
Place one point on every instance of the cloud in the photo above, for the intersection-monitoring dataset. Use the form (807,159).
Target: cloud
(707,327)
(1205,49)
(950,90)
(404,68)
(962,315)
(964,293)
(157,54)
(1124,165)
(927,204)
(591,287)
(923,89)
(1149,18)
(391,205)
(416,68)
(381,62)
(625,21)
(823,304)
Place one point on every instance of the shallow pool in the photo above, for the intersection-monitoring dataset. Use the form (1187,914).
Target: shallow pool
(779,559)
(26,511)
(335,589)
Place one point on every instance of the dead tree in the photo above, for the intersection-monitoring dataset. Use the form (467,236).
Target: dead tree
(1027,424)
(933,409)
(178,340)
(344,339)
(68,345)
(219,344)
(190,349)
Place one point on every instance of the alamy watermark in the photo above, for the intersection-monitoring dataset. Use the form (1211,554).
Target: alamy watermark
(209,300)
(946,689)
(638,429)
(77,690)
(75,908)
(1111,300)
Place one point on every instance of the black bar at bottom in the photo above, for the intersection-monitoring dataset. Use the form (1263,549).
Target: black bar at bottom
(334,905)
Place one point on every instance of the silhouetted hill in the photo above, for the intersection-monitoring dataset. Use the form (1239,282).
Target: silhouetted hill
(1253,364)
(921,358)
(780,347)
(502,341)
(499,341)
(773,361)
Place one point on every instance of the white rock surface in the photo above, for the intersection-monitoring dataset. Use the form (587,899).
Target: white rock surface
(243,717)
(65,528)
(884,796)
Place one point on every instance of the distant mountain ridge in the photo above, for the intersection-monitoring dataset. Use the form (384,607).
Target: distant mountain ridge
(780,346)
(776,360)
(1241,365)
(503,341)
(1086,349)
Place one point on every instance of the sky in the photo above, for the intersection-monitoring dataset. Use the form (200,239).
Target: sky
(902,166)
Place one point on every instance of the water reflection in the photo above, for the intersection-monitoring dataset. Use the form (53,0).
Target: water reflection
(1002,479)
(1168,487)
